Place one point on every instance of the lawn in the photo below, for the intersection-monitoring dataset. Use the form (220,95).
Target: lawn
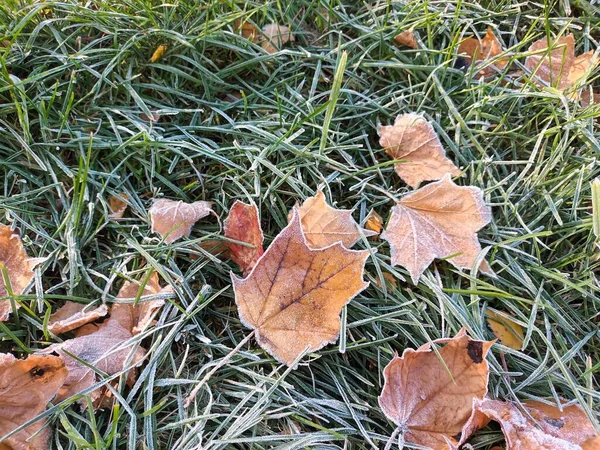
(77,90)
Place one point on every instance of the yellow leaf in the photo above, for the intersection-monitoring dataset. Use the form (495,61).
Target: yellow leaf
(507,330)
(158,53)
(374,222)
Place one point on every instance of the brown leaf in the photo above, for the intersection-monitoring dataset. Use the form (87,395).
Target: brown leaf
(73,315)
(19,268)
(242,224)
(174,219)
(158,53)
(482,50)
(550,429)
(117,206)
(26,387)
(323,225)
(274,37)
(506,329)
(439,220)
(247,30)
(413,140)
(294,294)
(559,67)
(407,38)
(374,222)
(430,395)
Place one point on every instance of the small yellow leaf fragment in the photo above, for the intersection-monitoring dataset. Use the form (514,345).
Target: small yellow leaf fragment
(507,330)
(274,37)
(247,30)
(407,38)
(117,206)
(158,53)
(374,222)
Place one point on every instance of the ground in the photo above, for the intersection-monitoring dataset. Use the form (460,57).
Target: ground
(76,91)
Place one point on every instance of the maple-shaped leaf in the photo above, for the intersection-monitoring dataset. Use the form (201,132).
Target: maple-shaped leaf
(506,329)
(117,206)
(473,49)
(242,224)
(407,38)
(26,387)
(324,225)
(274,37)
(413,140)
(18,265)
(294,295)
(174,219)
(439,220)
(73,315)
(552,428)
(430,395)
(555,63)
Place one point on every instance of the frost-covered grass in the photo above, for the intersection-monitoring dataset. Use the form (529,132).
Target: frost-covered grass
(75,84)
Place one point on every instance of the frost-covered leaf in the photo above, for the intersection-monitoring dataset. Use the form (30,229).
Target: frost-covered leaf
(174,219)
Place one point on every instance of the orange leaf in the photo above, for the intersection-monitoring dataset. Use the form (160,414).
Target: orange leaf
(242,224)
(158,53)
(19,268)
(407,38)
(323,225)
(274,37)
(175,219)
(26,387)
(439,220)
(73,315)
(482,50)
(247,30)
(430,395)
(117,206)
(413,140)
(294,294)
(374,222)
(506,329)
(551,427)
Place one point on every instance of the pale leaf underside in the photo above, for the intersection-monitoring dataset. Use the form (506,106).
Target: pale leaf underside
(175,219)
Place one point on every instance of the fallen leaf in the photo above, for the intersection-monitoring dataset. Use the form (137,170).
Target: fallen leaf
(550,429)
(26,387)
(407,38)
(559,67)
(247,30)
(439,220)
(430,394)
(158,53)
(374,222)
(482,50)
(19,268)
(274,37)
(507,330)
(413,140)
(174,219)
(73,315)
(294,295)
(389,278)
(154,117)
(323,225)
(242,224)
(117,206)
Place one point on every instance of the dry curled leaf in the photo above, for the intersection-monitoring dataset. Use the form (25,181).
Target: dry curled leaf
(117,206)
(19,268)
(274,37)
(26,387)
(550,429)
(374,222)
(158,53)
(430,395)
(407,38)
(242,224)
(507,330)
(294,294)
(558,67)
(413,140)
(247,30)
(324,225)
(174,219)
(439,220)
(73,315)
(473,49)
